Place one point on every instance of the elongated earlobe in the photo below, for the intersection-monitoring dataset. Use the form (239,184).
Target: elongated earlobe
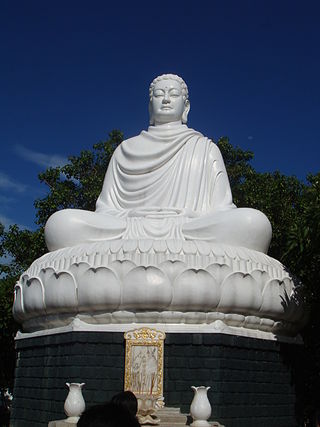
(151,118)
(185,113)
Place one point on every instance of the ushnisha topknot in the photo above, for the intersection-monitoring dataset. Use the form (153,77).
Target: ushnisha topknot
(184,87)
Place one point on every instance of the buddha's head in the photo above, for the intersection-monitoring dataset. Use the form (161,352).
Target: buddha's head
(169,100)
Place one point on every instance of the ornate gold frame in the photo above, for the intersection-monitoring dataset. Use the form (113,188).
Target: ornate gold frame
(144,337)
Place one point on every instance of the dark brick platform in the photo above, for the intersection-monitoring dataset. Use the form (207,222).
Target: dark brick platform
(252,380)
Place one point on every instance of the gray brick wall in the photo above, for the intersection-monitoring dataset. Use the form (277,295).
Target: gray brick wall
(251,384)
(251,380)
(45,364)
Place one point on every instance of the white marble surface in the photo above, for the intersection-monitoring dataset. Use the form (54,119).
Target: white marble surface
(166,245)
(164,282)
(61,423)
(169,182)
(200,408)
(217,327)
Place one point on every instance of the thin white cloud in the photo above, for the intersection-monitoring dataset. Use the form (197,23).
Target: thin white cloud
(250,137)
(41,159)
(9,221)
(5,221)
(7,183)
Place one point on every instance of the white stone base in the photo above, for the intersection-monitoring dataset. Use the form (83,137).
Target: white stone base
(161,282)
(217,327)
(61,423)
(171,417)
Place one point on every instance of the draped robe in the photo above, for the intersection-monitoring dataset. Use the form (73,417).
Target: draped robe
(169,182)
(163,178)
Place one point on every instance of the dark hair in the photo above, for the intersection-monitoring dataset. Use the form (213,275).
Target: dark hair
(107,415)
(127,399)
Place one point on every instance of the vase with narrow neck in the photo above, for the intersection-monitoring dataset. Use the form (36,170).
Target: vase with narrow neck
(74,404)
(200,408)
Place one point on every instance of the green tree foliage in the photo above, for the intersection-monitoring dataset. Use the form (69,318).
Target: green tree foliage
(8,329)
(303,257)
(292,206)
(22,246)
(75,185)
(303,248)
(78,183)
(278,196)
(238,166)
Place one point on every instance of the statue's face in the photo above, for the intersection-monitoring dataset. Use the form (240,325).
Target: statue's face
(167,104)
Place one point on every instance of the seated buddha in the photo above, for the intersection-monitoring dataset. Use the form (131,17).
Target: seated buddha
(169,182)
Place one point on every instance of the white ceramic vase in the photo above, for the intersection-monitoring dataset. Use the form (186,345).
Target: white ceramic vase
(74,404)
(200,408)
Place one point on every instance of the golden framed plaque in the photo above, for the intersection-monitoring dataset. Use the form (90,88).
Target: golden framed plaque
(144,362)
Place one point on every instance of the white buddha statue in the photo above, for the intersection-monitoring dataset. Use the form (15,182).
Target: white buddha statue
(169,182)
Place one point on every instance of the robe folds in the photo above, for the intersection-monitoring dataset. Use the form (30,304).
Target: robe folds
(163,178)
(169,182)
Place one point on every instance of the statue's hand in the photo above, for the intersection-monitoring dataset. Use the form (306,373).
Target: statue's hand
(189,213)
(155,212)
(158,213)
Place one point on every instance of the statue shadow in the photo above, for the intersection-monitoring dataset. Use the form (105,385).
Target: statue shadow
(302,359)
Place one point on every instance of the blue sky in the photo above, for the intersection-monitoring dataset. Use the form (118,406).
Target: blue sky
(71,71)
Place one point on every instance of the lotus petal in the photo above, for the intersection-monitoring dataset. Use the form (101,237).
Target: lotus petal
(122,267)
(18,310)
(60,292)
(195,290)
(240,293)
(99,289)
(146,288)
(219,271)
(172,268)
(34,296)
(274,300)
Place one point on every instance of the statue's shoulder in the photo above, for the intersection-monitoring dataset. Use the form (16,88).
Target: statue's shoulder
(125,145)
(130,141)
(204,138)
(213,145)
(214,150)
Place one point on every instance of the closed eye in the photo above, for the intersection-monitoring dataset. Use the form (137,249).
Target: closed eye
(158,93)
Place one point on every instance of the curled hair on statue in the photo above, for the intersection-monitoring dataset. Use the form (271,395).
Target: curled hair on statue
(184,87)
